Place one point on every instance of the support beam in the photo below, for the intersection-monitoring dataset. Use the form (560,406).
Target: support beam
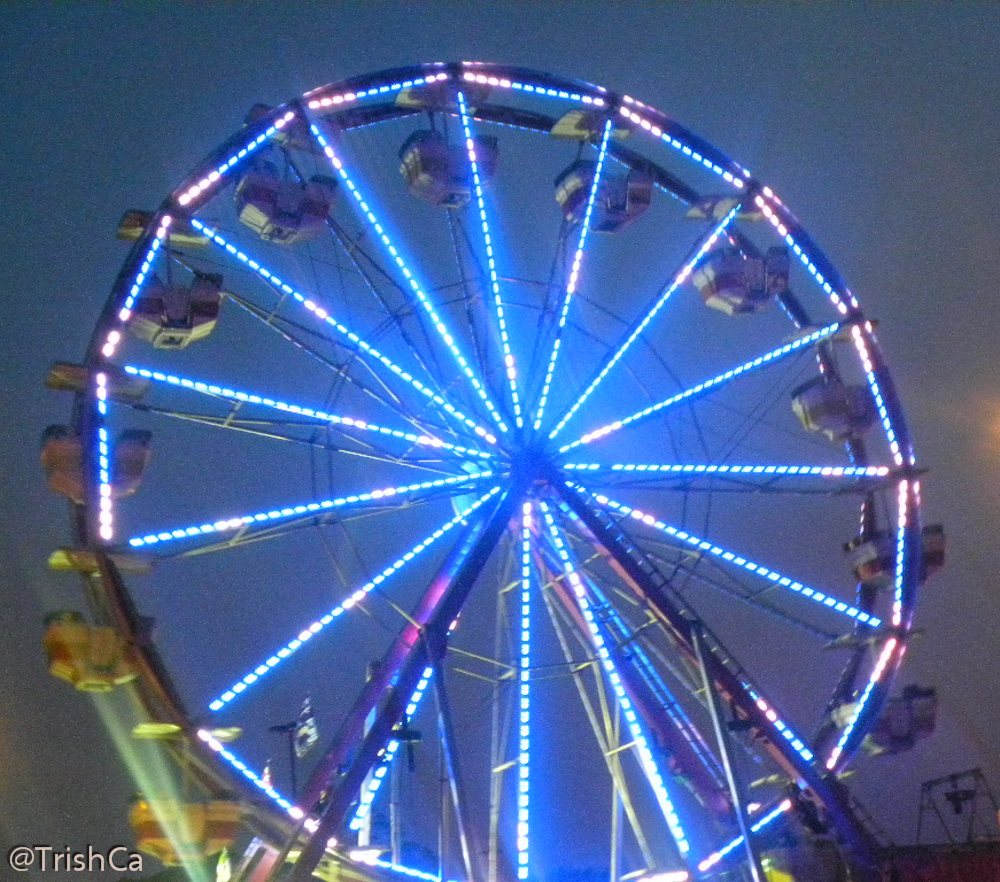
(641,575)
(725,750)
(334,784)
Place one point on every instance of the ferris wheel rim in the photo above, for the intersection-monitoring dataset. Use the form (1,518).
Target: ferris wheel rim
(174,205)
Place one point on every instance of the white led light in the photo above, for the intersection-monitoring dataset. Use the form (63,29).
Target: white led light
(707,385)
(415,288)
(677,281)
(729,557)
(307,634)
(571,283)
(357,342)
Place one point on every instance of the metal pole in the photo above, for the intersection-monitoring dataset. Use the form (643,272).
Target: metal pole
(725,749)
(352,753)
(641,575)
(293,761)
(451,773)
(288,730)
(395,832)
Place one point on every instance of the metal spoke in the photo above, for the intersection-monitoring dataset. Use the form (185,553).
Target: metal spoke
(707,385)
(357,343)
(509,361)
(574,275)
(702,247)
(349,602)
(415,287)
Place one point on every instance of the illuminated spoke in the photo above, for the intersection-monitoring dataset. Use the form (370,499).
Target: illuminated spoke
(641,742)
(230,757)
(524,700)
(320,416)
(307,509)
(679,279)
(291,332)
(714,858)
(349,602)
(415,288)
(708,385)
(373,782)
(643,666)
(703,545)
(664,554)
(292,432)
(574,275)
(508,357)
(357,343)
(753,477)
(283,528)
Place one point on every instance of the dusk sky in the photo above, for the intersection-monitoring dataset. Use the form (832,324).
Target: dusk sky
(878,126)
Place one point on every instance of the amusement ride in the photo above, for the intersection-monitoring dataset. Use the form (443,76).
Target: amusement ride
(533,444)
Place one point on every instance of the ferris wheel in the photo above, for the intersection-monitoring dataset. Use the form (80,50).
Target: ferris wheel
(530,441)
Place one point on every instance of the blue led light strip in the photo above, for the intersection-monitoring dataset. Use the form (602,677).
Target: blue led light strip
(711,469)
(406,871)
(666,138)
(677,281)
(382,769)
(105,490)
(774,210)
(524,701)
(236,523)
(640,741)
(707,385)
(797,744)
(709,862)
(574,275)
(415,287)
(312,413)
(903,517)
(114,336)
(351,97)
(356,341)
(873,384)
(470,76)
(491,264)
(876,675)
(308,633)
(758,569)
(249,774)
(208,183)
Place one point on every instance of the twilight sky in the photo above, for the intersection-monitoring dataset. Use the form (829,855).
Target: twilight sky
(877,125)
